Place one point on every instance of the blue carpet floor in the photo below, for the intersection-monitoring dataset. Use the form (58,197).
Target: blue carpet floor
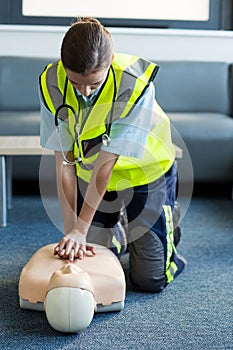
(194,312)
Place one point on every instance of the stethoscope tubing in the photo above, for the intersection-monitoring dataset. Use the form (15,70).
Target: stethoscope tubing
(105,137)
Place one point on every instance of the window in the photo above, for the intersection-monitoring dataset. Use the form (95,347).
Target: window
(190,10)
(191,14)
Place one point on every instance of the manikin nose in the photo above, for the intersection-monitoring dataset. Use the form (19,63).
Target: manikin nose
(70,269)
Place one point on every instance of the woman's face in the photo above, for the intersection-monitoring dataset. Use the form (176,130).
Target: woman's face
(87,83)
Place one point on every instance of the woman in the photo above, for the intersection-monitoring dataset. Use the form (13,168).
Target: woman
(116,143)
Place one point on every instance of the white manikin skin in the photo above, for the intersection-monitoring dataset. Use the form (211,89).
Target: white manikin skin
(70,304)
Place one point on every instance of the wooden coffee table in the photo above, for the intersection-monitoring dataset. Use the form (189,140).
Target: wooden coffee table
(21,146)
(14,146)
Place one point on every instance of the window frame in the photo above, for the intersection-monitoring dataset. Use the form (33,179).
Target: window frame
(221,18)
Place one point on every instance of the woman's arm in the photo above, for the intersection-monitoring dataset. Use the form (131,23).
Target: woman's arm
(67,190)
(74,243)
(96,189)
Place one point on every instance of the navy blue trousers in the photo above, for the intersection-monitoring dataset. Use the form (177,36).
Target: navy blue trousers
(147,226)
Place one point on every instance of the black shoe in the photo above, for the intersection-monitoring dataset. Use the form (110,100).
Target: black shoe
(177,235)
(176,214)
(176,217)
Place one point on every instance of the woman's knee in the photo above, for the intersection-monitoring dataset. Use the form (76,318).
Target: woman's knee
(147,263)
(148,284)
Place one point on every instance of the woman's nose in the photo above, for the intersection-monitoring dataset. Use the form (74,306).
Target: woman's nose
(85,90)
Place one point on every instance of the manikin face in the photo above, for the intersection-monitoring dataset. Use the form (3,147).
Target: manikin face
(87,83)
(71,276)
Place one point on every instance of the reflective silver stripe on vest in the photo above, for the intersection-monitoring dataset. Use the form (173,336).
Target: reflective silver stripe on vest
(86,166)
(54,92)
(129,79)
(124,91)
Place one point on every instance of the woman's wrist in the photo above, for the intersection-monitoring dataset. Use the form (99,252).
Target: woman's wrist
(81,226)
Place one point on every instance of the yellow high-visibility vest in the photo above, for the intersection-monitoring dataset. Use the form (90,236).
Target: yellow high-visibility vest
(127,81)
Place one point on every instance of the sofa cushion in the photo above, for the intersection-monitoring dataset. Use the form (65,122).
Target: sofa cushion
(207,126)
(206,138)
(20,123)
(19,77)
(185,86)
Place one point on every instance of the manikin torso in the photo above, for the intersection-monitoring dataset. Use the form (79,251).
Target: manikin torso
(104,269)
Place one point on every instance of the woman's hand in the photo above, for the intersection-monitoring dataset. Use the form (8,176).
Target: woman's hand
(72,246)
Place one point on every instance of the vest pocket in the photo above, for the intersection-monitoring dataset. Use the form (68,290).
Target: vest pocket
(91,146)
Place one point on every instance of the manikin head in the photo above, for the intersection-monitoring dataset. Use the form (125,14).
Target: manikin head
(70,303)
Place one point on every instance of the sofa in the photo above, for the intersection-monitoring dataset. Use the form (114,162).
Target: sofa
(197,96)
(20,107)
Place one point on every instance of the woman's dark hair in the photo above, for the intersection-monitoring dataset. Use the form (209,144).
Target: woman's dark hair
(87,46)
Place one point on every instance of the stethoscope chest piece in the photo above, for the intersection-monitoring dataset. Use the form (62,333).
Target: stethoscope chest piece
(105,140)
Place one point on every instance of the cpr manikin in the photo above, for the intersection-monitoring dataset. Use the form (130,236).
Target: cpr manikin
(70,293)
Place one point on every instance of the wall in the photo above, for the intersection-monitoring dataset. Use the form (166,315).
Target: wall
(161,44)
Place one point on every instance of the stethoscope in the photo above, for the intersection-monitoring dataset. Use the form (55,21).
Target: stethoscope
(105,137)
